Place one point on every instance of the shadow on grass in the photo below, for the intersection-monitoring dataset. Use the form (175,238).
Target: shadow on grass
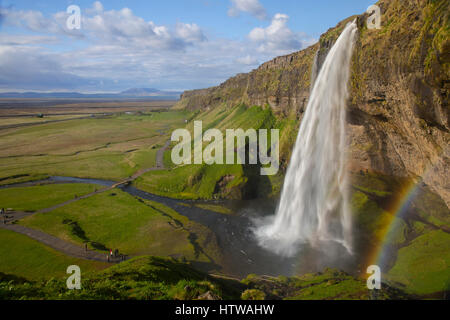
(192,237)
(77,231)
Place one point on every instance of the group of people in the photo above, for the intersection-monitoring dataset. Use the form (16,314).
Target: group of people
(114,254)
(111,255)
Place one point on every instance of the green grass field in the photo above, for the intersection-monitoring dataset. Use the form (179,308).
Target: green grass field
(423,266)
(190,181)
(115,219)
(25,257)
(113,147)
(214,207)
(39,197)
(22,120)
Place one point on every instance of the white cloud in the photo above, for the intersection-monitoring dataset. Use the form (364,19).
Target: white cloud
(32,20)
(189,32)
(277,37)
(110,27)
(97,7)
(28,68)
(35,21)
(254,7)
(124,27)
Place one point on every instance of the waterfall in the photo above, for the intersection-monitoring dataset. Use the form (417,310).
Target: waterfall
(314,200)
(314,71)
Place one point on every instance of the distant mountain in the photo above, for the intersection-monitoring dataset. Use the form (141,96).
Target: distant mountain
(138,93)
(142,92)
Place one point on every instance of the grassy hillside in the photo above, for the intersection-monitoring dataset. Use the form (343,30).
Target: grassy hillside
(141,278)
(157,278)
(417,236)
(330,284)
(423,266)
(227,180)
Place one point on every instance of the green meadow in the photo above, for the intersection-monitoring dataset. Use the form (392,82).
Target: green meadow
(26,120)
(112,147)
(39,197)
(423,266)
(115,219)
(204,181)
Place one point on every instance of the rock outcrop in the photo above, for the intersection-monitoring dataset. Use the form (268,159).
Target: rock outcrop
(399,117)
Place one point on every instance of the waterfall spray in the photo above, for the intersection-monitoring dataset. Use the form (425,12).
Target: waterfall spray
(314,201)
(314,71)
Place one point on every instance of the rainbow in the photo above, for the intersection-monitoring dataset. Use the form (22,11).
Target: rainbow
(397,209)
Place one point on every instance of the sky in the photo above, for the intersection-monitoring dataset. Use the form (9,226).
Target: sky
(168,45)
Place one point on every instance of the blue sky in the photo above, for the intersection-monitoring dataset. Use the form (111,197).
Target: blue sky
(172,44)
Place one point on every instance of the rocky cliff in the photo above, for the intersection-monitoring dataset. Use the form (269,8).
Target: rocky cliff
(399,117)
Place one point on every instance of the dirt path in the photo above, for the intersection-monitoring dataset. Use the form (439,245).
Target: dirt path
(159,166)
(58,244)
(59,205)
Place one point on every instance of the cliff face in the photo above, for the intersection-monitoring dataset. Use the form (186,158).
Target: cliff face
(399,113)
(283,83)
(399,117)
